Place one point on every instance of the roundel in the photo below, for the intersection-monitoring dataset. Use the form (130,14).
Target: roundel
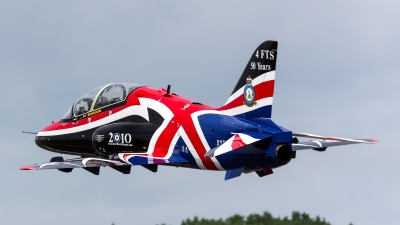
(117,137)
(249,95)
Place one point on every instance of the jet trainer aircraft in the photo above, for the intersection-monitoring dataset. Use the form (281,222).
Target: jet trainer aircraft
(120,125)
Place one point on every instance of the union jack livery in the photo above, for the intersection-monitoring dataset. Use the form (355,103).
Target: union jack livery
(120,125)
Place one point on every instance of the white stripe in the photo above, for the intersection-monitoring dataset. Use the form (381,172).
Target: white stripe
(247,139)
(201,134)
(84,161)
(319,143)
(258,80)
(225,147)
(132,110)
(217,164)
(164,111)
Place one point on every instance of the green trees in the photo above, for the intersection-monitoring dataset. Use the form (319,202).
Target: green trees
(259,219)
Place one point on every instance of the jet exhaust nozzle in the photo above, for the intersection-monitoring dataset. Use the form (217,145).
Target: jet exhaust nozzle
(283,154)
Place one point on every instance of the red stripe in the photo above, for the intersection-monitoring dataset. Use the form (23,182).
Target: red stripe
(164,141)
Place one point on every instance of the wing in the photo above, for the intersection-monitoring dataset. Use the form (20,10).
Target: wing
(75,163)
(93,164)
(325,142)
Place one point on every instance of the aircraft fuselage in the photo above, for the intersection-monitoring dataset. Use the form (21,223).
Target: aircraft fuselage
(152,122)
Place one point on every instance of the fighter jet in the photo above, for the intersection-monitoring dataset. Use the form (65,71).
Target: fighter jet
(120,125)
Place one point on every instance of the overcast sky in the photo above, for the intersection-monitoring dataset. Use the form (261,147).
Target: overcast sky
(337,74)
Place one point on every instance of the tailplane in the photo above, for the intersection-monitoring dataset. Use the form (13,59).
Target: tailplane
(253,94)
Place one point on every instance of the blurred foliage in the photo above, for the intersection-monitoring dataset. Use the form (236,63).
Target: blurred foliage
(259,219)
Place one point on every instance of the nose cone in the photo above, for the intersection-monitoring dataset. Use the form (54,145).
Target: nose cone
(43,142)
(37,141)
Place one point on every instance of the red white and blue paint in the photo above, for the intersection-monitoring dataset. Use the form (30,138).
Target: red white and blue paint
(120,125)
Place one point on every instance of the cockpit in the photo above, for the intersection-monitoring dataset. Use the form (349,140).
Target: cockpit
(100,97)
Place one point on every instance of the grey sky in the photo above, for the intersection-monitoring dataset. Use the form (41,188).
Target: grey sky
(337,74)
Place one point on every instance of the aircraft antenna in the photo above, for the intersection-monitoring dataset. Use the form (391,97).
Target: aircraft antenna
(168,89)
(28,132)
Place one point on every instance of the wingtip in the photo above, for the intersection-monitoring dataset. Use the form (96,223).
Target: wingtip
(28,168)
(372,140)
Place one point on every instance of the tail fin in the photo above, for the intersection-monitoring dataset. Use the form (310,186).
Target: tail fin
(253,93)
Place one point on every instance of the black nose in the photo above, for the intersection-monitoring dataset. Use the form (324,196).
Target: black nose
(43,142)
(66,144)
(50,143)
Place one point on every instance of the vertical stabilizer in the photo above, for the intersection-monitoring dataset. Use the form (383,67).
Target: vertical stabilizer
(253,94)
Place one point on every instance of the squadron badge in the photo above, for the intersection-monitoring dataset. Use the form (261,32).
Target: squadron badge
(249,93)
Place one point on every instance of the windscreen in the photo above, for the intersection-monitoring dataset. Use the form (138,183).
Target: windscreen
(83,105)
(68,114)
(100,97)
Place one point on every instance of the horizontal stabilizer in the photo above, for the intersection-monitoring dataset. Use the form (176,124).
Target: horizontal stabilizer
(305,135)
(320,145)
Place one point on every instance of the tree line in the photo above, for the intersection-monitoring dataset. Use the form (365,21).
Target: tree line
(265,218)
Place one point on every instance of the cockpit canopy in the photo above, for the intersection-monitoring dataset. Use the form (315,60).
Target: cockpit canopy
(100,97)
